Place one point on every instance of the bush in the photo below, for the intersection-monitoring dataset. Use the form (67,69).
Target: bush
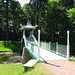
(14,45)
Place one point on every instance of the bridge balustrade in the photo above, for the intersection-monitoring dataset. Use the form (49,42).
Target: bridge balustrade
(55,48)
(32,48)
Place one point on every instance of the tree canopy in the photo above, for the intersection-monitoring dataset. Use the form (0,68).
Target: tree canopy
(54,18)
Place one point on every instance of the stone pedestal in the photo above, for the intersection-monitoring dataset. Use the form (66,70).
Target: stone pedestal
(25,56)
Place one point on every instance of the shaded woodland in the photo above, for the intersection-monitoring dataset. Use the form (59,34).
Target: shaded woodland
(54,18)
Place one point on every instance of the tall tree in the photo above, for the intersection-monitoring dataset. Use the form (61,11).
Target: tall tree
(16,14)
(7,4)
(67,3)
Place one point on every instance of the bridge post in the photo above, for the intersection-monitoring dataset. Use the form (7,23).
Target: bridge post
(45,44)
(49,46)
(68,51)
(24,37)
(39,45)
(56,47)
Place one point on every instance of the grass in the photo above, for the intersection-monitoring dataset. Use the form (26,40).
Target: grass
(3,48)
(10,46)
(38,69)
(72,61)
(73,58)
(13,69)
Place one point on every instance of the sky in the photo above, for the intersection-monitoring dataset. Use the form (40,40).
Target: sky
(22,2)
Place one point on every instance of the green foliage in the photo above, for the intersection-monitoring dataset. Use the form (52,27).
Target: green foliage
(71,15)
(14,19)
(9,46)
(50,15)
(54,0)
(29,10)
(3,48)
(38,69)
(67,3)
(51,18)
(14,45)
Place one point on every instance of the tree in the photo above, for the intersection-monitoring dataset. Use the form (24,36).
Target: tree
(2,19)
(6,4)
(14,19)
(30,11)
(16,14)
(71,15)
(67,3)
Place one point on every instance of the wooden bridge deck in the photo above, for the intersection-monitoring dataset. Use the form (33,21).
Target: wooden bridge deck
(47,55)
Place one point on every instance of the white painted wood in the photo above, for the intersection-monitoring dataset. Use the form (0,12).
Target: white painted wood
(56,47)
(30,63)
(68,51)
(24,37)
(49,46)
(48,55)
(38,44)
(27,27)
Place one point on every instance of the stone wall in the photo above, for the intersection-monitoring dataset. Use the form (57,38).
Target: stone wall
(25,56)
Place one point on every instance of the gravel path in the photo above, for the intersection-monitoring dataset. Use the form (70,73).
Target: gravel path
(61,67)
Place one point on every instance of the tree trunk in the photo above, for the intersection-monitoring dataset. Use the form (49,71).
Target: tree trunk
(7,31)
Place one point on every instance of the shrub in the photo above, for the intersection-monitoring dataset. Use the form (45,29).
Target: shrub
(14,45)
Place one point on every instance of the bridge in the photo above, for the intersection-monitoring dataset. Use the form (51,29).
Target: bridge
(47,50)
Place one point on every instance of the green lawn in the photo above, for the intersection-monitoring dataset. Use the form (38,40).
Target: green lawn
(72,57)
(3,48)
(38,69)
(72,60)
(9,46)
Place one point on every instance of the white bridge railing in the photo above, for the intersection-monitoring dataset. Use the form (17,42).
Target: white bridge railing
(32,48)
(63,50)
(56,48)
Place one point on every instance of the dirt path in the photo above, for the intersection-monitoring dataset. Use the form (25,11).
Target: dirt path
(61,67)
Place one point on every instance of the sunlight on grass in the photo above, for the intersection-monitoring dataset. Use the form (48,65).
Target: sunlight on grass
(6,69)
(72,61)
(2,48)
(38,69)
(9,46)
(72,58)
(5,49)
